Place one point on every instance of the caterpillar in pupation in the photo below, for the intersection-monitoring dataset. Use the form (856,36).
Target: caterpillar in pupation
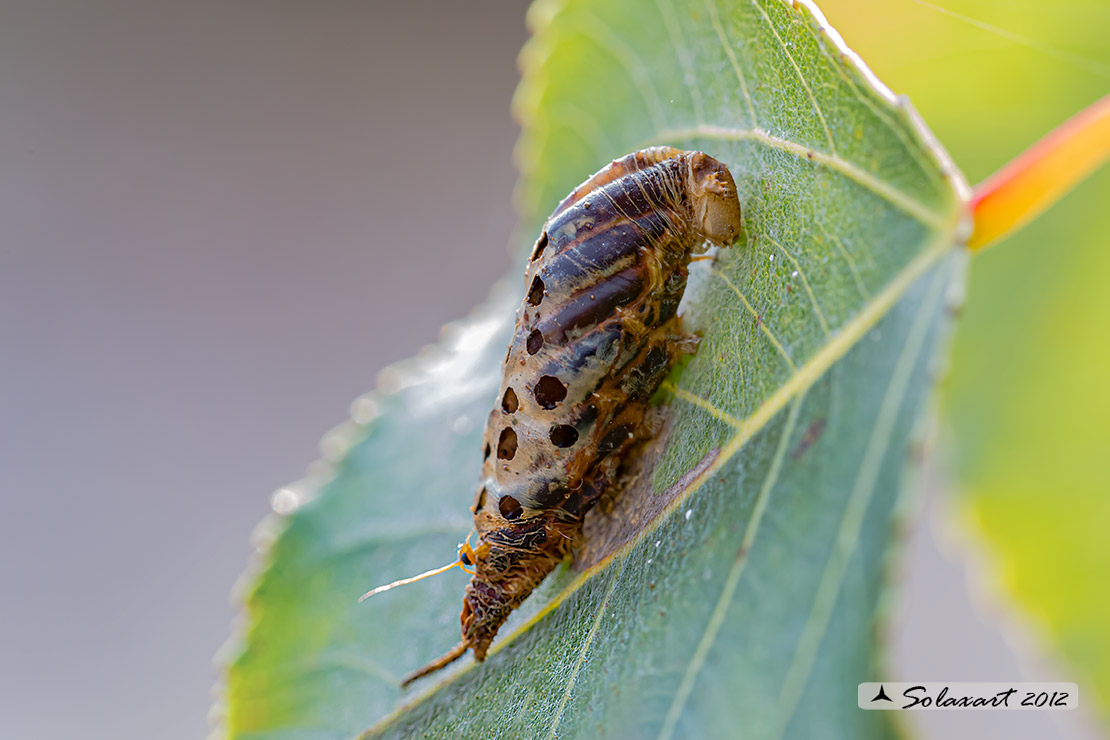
(595,336)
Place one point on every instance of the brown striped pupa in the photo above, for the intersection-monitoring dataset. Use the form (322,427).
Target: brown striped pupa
(595,336)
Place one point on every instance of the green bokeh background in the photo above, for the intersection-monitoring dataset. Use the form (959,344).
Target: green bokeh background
(1027,399)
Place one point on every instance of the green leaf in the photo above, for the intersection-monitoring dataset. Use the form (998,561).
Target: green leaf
(735,582)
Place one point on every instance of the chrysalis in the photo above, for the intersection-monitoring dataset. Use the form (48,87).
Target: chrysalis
(595,336)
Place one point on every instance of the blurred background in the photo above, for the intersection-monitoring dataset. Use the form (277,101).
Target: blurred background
(220,220)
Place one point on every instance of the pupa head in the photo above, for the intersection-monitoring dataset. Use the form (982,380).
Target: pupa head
(714,200)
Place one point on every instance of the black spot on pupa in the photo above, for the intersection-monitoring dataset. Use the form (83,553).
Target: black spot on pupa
(535,293)
(509,507)
(563,435)
(549,391)
(485,452)
(509,403)
(506,444)
(551,496)
(535,341)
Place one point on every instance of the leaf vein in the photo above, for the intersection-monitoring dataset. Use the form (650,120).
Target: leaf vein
(701,403)
(805,282)
(582,653)
(759,319)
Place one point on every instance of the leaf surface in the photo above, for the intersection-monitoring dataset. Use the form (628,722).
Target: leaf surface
(735,581)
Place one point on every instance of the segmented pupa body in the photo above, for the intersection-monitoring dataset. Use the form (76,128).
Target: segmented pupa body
(595,336)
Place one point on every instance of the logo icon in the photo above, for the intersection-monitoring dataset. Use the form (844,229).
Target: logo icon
(882,695)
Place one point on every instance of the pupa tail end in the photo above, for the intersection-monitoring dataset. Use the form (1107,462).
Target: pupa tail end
(441,662)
